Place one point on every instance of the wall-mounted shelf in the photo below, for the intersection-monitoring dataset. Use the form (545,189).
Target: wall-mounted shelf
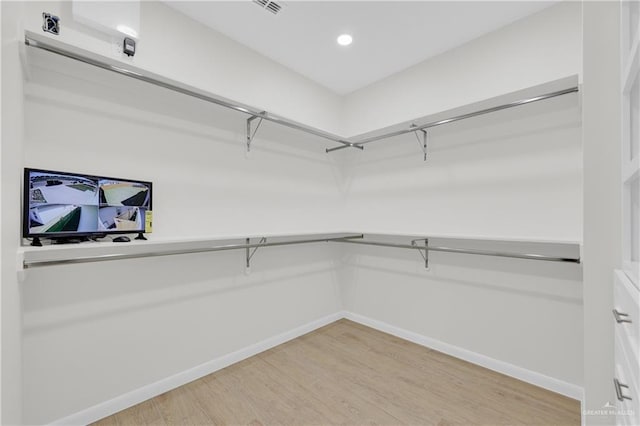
(34,257)
(39,41)
(53,255)
(515,249)
(42,42)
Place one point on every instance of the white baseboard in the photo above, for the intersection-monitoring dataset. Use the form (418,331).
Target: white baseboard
(144,393)
(538,379)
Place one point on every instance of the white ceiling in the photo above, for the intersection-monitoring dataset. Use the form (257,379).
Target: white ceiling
(388,36)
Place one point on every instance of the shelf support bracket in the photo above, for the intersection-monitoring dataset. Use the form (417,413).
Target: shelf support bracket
(250,253)
(421,143)
(423,252)
(251,135)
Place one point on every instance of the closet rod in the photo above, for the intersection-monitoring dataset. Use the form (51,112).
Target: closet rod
(465,116)
(119,256)
(44,44)
(462,251)
(182,88)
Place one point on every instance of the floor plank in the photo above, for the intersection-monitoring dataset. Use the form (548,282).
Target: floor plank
(349,374)
(145,413)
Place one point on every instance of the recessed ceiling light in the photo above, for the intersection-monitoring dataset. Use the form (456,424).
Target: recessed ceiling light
(345,40)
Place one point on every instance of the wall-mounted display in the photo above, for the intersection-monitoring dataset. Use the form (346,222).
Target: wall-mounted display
(70,205)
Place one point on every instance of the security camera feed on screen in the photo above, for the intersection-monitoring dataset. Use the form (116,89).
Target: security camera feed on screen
(120,193)
(121,219)
(61,203)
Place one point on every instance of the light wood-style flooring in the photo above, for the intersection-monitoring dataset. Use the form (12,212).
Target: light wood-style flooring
(346,373)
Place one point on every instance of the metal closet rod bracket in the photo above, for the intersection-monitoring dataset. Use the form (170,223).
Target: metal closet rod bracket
(249,252)
(421,143)
(423,252)
(250,134)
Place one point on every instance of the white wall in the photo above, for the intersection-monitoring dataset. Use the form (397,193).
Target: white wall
(95,332)
(513,174)
(523,313)
(80,321)
(532,51)
(10,169)
(91,121)
(90,332)
(516,174)
(602,198)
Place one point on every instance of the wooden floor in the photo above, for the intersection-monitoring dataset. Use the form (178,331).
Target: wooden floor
(346,373)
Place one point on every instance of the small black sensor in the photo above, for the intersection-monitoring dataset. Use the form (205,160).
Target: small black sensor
(50,23)
(129,46)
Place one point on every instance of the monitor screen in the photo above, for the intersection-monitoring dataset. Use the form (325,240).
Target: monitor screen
(59,204)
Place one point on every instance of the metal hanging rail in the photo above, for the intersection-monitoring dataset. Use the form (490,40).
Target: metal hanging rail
(427,248)
(420,244)
(27,263)
(43,44)
(423,127)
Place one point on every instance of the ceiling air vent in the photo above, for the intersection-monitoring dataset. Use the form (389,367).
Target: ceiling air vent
(269,5)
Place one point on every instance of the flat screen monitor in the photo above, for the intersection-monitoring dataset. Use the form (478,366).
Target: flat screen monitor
(62,204)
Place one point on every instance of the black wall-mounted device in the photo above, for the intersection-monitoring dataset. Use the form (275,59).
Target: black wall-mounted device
(50,23)
(129,46)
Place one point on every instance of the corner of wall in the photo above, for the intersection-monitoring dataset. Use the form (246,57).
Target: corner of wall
(10,166)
